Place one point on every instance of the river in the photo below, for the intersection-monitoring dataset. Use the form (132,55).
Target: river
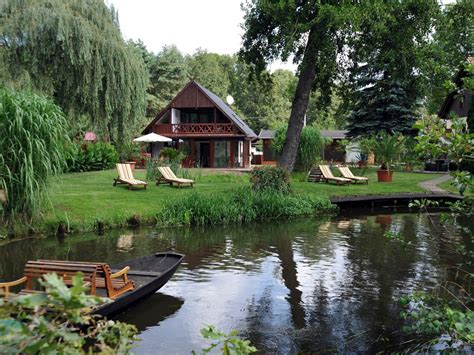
(312,285)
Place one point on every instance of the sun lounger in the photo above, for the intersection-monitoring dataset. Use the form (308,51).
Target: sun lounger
(126,177)
(347,173)
(328,176)
(169,177)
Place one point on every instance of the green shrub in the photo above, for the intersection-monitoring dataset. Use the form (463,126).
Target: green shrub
(310,148)
(270,178)
(241,206)
(91,157)
(33,132)
(56,322)
(171,157)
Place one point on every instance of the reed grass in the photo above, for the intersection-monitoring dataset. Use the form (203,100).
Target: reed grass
(32,137)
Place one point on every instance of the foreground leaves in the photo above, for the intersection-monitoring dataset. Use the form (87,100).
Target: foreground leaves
(57,322)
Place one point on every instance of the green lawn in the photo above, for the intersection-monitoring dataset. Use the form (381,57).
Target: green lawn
(81,199)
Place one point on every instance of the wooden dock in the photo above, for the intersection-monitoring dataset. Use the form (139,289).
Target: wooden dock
(401,199)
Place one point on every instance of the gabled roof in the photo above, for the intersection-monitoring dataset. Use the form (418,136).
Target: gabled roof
(227,111)
(332,133)
(217,101)
(266,134)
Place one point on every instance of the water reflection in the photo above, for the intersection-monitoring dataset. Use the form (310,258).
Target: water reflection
(151,311)
(301,286)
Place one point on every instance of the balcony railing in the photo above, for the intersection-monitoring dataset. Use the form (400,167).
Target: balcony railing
(179,129)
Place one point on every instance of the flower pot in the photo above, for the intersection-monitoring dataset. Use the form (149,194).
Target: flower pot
(132,164)
(408,168)
(384,175)
(362,164)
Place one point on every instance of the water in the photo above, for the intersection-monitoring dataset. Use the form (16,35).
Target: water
(311,285)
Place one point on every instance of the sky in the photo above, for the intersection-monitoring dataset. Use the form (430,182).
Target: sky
(213,25)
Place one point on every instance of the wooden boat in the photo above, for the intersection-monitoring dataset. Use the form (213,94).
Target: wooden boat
(149,274)
(124,283)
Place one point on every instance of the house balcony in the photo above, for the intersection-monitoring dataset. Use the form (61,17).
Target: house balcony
(196,129)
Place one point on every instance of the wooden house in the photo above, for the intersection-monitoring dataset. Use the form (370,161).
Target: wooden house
(458,102)
(207,130)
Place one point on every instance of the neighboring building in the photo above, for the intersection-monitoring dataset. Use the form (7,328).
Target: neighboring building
(458,103)
(205,128)
(333,151)
(269,156)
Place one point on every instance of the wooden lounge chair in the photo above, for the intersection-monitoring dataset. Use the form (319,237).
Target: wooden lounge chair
(347,173)
(126,177)
(328,176)
(169,177)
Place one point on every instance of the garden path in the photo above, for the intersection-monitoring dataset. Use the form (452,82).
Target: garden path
(431,185)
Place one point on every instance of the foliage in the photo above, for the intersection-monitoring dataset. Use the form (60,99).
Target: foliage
(56,321)
(453,42)
(431,316)
(457,144)
(318,35)
(168,75)
(270,178)
(230,344)
(310,147)
(380,105)
(90,156)
(390,53)
(386,148)
(32,136)
(214,71)
(423,204)
(171,154)
(74,52)
(396,236)
(171,157)
(129,151)
(240,206)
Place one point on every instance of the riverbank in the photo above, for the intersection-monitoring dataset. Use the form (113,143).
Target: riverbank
(88,201)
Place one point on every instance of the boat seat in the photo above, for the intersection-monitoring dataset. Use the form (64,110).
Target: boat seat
(114,283)
(37,269)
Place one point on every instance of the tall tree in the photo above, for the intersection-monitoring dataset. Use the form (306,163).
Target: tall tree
(381,105)
(453,42)
(313,32)
(73,50)
(212,70)
(168,75)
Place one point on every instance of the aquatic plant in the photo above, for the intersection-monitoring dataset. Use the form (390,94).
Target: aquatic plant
(241,206)
(228,344)
(444,325)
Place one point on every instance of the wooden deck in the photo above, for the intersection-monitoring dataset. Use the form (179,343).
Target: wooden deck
(401,199)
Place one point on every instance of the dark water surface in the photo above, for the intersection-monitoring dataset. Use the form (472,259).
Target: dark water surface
(301,286)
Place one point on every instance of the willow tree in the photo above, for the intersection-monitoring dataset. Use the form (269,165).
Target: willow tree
(73,51)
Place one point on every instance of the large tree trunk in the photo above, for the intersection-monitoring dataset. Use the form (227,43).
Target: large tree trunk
(300,102)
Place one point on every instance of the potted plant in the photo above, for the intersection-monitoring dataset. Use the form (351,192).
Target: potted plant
(386,148)
(130,154)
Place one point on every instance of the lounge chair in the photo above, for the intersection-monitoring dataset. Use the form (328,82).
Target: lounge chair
(169,177)
(347,173)
(126,177)
(328,176)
